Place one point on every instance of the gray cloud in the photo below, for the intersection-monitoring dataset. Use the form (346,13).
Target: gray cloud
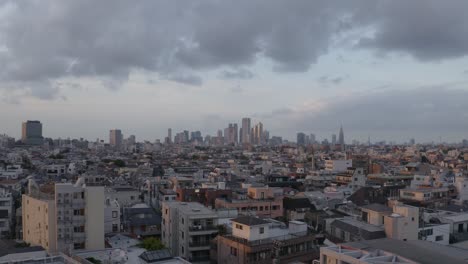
(237,74)
(186,79)
(425,29)
(425,112)
(43,41)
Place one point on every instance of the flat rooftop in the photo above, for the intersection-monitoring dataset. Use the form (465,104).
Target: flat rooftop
(417,250)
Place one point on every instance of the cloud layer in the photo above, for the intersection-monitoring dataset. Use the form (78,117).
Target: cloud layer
(43,41)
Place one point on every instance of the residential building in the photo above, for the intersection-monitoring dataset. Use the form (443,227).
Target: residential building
(67,218)
(338,165)
(187,229)
(256,240)
(7,213)
(387,250)
(260,201)
(141,220)
(111,216)
(403,223)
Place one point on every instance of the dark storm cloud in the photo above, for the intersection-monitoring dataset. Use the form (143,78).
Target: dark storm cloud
(48,40)
(44,41)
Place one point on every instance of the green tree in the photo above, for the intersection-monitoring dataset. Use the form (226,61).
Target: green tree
(119,163)
(151,243)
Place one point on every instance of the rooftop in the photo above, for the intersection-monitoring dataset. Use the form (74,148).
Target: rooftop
(418,250)
(250,221)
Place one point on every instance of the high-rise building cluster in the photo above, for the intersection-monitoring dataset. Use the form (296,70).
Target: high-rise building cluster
(231,135)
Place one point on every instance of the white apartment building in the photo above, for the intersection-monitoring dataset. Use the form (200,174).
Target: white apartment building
(67,219)
(6,213)
(111,216)
(338,165)
(187,229)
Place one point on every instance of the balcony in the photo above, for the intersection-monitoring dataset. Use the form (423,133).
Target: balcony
(197,228)
(199,244)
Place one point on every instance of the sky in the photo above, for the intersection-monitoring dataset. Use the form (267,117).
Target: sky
(388,69)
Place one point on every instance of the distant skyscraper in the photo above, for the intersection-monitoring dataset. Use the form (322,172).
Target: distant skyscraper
(246,130)
(312,139)
(230,134)
(300,139)
(32,133)
(257,135)
(341,139)
(115,138)
(333,139)
(169,135)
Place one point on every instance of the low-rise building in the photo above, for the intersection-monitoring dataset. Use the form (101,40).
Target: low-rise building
(187,229)
(256,240)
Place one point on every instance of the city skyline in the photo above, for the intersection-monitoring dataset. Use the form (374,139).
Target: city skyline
(232,134)
(201,65)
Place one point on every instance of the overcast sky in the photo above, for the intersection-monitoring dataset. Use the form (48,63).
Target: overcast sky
(393,69)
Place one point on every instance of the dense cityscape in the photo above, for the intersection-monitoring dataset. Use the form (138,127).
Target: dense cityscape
(237,197)
(233,132)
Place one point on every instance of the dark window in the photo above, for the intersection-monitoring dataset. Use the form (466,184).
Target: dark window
(439,238)
(262,230)
(233,251)
(460,228)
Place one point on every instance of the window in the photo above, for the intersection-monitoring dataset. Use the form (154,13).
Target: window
(233,251)
(426,232)
(132,198)
(460,228)
(78,229)
(114,214)
(183,234)
(439,238)
(166,211)
(239,226)
(261,230)
(183,221)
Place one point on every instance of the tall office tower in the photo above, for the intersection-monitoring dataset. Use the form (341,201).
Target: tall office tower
(341,139)
(266,136)
(236,133)
(240,136)
(246,130)
(333,139)
(312,139)
(186,136)
(32,133)
(257,137)
(115,138)
(68,218)
(230,134)
(169,135)
(300,139)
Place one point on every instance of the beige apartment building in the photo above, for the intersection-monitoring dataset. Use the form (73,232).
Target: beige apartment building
(67,217)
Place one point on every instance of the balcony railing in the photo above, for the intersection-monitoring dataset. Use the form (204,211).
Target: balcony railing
(202,228)
(200,244)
